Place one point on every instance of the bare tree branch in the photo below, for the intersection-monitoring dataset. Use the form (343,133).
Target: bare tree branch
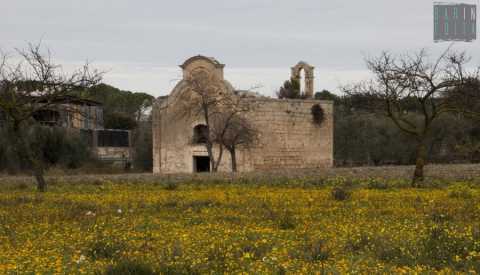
(33,84)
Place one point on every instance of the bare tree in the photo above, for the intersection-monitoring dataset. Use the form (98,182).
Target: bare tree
(403,79)
(31,85)
(231,132)
(221,112)
(205,100)
(231,129)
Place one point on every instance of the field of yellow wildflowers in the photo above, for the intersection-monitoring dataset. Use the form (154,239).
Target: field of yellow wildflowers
(329,226)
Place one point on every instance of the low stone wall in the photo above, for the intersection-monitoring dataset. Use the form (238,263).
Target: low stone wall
(118,156)
(444,172)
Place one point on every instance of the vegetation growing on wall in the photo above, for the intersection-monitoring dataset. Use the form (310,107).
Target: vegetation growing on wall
(318,114)
(290,90)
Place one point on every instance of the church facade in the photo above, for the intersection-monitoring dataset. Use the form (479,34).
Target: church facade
(288,136)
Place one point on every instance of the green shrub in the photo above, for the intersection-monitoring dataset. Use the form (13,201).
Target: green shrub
(340,194)
(171,185)
(54,146)
(127,267)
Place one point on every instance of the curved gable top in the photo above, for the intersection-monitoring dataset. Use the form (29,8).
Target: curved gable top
(211,60)
(303,65)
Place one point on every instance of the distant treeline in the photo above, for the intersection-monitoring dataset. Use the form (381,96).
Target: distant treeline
(366,137)
(363,137)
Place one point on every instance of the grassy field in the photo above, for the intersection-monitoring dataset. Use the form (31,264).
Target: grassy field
(272,225)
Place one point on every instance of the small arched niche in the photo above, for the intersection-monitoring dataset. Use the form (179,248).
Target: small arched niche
(200,134)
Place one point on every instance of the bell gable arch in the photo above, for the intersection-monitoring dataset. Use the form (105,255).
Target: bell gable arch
(309,76)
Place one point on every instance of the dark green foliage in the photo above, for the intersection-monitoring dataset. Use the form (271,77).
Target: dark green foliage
(127,267)
(318,114)
(368,139)
(9,159)
(59,147)
(466,98)
(121,121)
(54,146)
(119,104)
(365,137)
(290,90)
(326,95)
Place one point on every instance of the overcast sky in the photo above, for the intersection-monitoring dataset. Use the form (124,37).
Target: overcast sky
(141,43)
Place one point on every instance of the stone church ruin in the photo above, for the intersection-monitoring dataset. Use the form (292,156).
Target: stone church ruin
(287,135)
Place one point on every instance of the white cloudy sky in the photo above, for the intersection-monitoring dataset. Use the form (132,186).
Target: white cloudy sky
(140,43)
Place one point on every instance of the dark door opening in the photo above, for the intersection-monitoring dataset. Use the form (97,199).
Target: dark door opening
(201,164)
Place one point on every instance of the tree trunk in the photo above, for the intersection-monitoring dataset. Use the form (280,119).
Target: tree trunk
(233,155)
(421,155)
(41,183)
(219,159)
(211,156)
(24,153)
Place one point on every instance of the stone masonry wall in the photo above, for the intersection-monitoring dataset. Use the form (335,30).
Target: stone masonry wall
(289,139)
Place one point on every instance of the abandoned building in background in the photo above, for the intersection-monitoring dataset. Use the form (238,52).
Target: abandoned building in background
(454,22)
(288,137)
(85,117)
